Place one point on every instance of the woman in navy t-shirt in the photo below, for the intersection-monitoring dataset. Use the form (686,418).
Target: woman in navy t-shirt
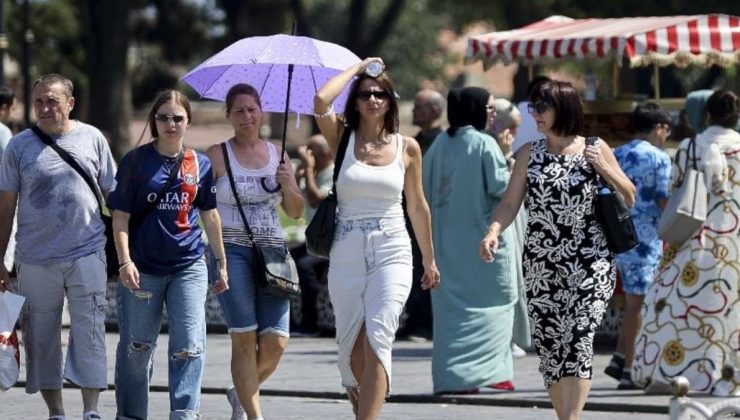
(161,190)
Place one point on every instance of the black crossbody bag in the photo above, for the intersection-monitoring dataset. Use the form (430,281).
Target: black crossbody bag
(320,232)
(273,270)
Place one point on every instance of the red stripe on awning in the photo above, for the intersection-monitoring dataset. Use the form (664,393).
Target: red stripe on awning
(694,46)
(672,38)
(600,47)
(715,39)
(650,41)
(556,48)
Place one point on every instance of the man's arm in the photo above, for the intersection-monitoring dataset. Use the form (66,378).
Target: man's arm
(8,202)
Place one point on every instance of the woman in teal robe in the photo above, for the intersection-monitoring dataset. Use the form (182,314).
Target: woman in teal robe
(465,176)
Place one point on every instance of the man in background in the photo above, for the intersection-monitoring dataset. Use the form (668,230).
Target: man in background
(314,175)
(429,106)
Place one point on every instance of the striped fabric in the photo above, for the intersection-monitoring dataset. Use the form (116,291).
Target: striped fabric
(679,40)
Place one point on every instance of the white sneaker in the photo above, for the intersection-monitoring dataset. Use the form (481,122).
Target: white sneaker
(91,415)
(517,352)
(237,411)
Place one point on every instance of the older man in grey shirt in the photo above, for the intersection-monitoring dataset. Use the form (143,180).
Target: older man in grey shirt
(60,246)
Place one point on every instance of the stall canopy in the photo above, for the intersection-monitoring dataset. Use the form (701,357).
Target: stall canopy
(679,40)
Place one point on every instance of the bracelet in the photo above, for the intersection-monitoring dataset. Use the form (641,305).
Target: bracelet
(120,266)
(327,113)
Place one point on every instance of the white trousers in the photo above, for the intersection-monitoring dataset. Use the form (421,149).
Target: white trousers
(370,274)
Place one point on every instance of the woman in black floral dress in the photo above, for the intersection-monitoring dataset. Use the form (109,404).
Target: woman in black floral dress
(568,270)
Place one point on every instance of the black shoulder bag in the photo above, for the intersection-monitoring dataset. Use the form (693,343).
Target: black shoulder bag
(111,256)
(320,232)
(273,269)
(614,215)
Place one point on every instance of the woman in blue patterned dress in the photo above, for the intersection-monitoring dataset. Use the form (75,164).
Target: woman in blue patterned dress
(568,270)
(649,168)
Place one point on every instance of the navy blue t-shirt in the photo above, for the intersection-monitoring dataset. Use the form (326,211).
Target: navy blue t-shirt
(168,238)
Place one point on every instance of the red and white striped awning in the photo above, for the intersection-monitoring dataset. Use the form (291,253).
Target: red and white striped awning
(679,40)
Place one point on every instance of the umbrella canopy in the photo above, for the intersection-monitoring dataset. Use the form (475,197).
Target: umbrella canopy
(679,40)
(263,62)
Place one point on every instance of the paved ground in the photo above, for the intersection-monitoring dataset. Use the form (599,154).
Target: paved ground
(306,386)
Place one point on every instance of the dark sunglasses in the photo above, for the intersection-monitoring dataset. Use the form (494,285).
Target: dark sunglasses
(380,95)
(666,127)
(538,107)
(177,119)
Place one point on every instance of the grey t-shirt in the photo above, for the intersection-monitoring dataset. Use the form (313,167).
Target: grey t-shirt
(58,215)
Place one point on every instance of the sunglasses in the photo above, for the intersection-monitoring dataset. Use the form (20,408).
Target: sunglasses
(380,95)
(177,119)
(666,127)
(538,107)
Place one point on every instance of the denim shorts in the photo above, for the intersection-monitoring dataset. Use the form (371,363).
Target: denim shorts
(246,306)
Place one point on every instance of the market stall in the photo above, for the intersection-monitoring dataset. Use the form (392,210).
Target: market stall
(702,40)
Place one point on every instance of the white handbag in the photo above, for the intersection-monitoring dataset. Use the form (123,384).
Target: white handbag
(686,210)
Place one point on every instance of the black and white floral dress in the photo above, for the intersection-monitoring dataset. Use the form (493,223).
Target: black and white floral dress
(568,270)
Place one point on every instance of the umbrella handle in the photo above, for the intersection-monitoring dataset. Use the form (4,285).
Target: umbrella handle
(267,188)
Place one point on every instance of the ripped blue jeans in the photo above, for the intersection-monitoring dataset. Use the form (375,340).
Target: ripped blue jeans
(139,319)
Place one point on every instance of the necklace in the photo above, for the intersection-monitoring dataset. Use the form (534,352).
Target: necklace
(368,145)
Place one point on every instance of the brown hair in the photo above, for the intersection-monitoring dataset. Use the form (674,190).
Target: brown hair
(241,89)
(164,97)
(563,97)
(352,115)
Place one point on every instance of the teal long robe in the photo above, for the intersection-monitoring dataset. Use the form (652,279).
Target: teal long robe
(464,178)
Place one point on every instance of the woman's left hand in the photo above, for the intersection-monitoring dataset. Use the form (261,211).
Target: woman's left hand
(594,156)
(222,283)
(284,176)
(431,278)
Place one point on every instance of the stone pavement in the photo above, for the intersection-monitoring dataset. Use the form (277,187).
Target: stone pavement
(306,385)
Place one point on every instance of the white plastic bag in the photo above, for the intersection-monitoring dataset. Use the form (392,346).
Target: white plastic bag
(10,355)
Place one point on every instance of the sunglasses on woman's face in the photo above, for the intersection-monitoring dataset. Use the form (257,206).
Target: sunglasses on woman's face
(380,95)
(538,107)
(177,119)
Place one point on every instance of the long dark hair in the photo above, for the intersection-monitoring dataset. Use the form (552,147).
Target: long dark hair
(352,114)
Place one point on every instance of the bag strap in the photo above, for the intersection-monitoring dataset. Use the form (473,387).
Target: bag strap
(236,195)
(71,162)
(88,180)
(689,149)
(692,147)
(341,152)
(591,140)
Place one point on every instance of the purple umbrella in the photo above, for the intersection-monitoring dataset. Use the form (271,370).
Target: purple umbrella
(287,70)
(263,61)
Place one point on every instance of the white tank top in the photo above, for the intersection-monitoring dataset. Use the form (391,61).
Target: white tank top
(260,205)
(365,191)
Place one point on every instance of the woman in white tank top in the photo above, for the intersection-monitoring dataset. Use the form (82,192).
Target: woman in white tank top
(257,320)
(370,268)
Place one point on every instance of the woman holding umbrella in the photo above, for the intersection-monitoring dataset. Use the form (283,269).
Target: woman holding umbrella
(257,320)
(371,266)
